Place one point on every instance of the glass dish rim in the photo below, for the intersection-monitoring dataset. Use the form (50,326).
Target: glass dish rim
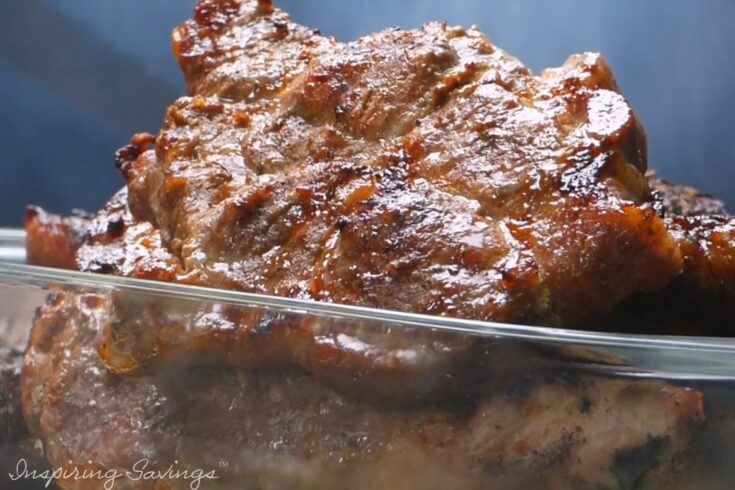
(21,274)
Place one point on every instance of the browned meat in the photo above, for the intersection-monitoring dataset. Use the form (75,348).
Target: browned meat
(281,429)
(681,200)
(403,368)
(52,240)
(424,171)
(706,236)
(241,181)
(308,168)
(118,244)
(701,301)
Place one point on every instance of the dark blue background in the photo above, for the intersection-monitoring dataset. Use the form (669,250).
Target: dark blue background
(78,77)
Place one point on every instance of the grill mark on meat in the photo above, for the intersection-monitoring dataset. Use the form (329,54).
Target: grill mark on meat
(340,78)
(592,183)
(259,168)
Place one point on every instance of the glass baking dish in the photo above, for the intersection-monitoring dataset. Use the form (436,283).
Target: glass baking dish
(404,407)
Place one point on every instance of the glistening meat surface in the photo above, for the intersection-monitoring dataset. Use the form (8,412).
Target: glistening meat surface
(701,300)
(423,171)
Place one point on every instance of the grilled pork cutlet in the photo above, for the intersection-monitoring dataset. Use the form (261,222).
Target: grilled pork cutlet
(423,171)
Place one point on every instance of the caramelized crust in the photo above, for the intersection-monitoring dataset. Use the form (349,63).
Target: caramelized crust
(708,245)
(52,240)
(534,163)
(682,200)
(119,244)
(424,171)
(706,234)
(700,301)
